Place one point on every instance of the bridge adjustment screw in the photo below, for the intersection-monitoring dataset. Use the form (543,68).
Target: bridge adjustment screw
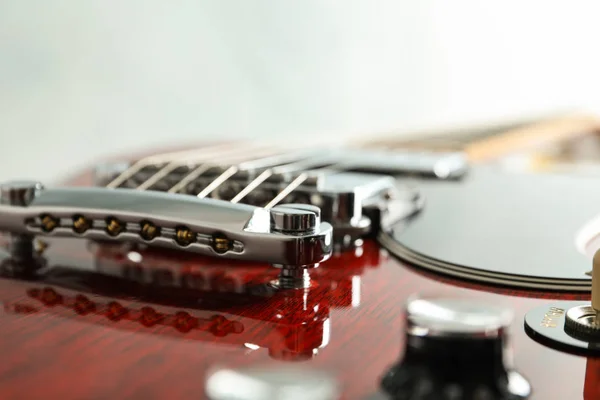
(295,218)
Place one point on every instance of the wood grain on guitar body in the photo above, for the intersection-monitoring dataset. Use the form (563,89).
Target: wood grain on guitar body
(425,269)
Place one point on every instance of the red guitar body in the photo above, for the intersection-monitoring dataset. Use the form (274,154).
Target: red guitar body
(89,329)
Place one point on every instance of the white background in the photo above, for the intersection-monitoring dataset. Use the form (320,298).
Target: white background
(80,80)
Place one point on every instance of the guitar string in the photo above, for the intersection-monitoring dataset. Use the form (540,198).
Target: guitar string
(200,155)
(294,166)
(224,157)
(205,167)
(153,159)
(218,181)
(389,145)
(201,169)
(173,165)
(287,190)
(231,171)
(301,178)
(265,162)
(252,185)
(323,140)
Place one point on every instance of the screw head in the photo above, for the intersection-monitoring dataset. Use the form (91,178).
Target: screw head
(295,218)
(184,236)
(148,230)
(221,244)
(81,223)
(19,193)
(49,222)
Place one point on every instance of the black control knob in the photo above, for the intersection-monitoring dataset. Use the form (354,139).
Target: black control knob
(455,349)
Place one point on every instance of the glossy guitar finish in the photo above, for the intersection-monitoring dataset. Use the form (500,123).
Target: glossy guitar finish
(107,321)
(68,335)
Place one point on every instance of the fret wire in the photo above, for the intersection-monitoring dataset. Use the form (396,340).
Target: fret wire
(201,156)
(203,168)
(287,190)
(166,157)
(156,159)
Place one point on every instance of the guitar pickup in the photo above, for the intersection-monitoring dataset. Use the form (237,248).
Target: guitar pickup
(290,234)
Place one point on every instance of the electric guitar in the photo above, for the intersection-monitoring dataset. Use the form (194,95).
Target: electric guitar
(442,267)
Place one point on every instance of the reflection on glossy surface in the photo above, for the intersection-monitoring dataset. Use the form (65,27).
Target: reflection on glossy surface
(591,388)
(257,383)
(130,288)
(52,301)
(349,323)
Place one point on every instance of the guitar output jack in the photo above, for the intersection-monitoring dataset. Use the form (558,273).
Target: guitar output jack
(570,326)
(553,325)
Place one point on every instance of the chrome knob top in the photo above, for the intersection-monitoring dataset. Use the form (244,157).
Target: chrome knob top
(456,348)
(454,317)
(19,193)
(295,218)
(280,383)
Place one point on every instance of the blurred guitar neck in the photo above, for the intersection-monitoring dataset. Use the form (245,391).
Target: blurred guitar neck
(491,143)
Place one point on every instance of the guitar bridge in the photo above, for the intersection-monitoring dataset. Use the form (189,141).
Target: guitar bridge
(289,235)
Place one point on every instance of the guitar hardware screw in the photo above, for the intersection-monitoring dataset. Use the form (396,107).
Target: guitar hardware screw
(184,236)
(295,218)
(148,230)
(221,244)
(49,222)
(81,224)
(293,278)
(114,226)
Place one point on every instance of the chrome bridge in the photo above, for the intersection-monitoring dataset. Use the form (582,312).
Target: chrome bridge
(220,202)
(288,234)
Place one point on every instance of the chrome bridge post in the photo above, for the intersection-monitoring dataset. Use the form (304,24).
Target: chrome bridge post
(291,277)
(20,194)
(23,258)
(294,219)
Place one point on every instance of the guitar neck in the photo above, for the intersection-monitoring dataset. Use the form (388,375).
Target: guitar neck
(489,143)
